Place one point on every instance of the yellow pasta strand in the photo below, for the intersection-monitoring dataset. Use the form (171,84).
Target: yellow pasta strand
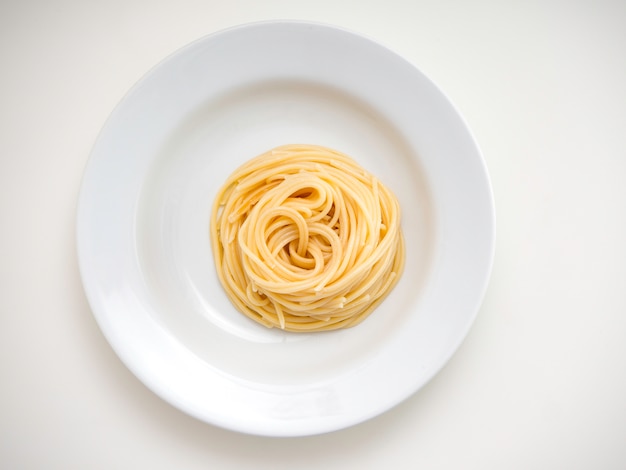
(304,239)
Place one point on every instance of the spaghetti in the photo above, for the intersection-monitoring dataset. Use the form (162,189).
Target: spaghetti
(304,239)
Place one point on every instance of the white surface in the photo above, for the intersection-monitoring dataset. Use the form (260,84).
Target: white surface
(539,381)
(143,226)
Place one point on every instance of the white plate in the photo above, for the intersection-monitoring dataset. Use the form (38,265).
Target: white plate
(143,216)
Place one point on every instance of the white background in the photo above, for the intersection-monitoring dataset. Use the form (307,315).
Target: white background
(540,382)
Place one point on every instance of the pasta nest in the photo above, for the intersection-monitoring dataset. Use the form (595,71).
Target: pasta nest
(305,239)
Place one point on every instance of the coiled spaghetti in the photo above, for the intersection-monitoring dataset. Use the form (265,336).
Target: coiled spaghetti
(304,239)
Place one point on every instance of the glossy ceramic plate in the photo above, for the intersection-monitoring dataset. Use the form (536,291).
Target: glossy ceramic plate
(143,226)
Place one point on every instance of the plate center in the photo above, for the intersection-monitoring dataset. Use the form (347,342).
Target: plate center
(172,227)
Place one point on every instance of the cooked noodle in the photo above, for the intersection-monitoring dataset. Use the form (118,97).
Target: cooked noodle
(304,239)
